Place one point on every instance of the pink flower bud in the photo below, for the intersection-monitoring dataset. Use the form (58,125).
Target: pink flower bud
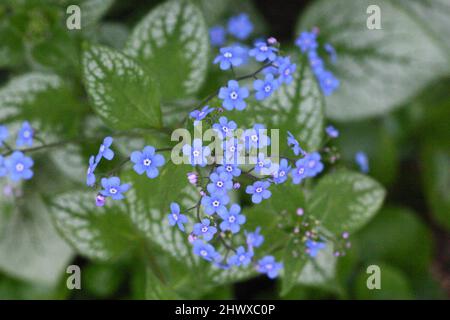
(300,211)
(272,41)
(100,200)
(236,186)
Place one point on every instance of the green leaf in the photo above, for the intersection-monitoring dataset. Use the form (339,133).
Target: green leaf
(44,99)
(121,93)
(380,69)
(394,285)
(98,233)
(404,236)
(92,11)
(436,177)
(297,107)
(294,260)
(12,51)
(172,42)
(30,247)
(345,201)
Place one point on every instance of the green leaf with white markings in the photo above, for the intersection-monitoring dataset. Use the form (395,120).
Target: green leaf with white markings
(380,69)
(30,247)
(345,201)
(297,107)
(121,93)
(172,42)
(42,98)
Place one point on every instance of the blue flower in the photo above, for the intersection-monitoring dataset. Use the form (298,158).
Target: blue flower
(232,219)
(241,257)
(104,151)
(147,161)
(265,88)
(307,41)
(3,170)
(205,250)
(204,229)
(269,266)
(332,132)
(300,171)
(233,96)
(197,153)
(316,63)
(254,239)
(220,183)
(240,26)
(19,166)
(199,115)
(224,128)
(362,161)
(313,247)
(90,176)
(175,217)
(263,164)
(112,188)
(216,203)
(328,82)
(4,134)
(281,174)
(331,52)
(232,150)
(294,145)
(25,135)
(230,169)
(313,163)
(285,70)
(262,51)
(256,137)
(259,191)
(217,35)
(230,57)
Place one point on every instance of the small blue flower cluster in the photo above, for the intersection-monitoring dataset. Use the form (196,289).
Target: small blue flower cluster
(146,161)
(240,27)
(307,42)
(14,164)
(278,70)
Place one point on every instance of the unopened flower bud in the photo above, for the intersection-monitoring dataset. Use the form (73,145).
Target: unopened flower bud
(100,200)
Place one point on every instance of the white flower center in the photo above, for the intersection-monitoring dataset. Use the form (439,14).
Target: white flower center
(261,164)
(267,88)
(259,190)
(195,153)
(204,253)
(19,167)
(233,95)
(219,184)
(232,219)
(229,168)
(241,257)
(26,134)
(263,48)
(269,266)
(254,138)
(282,173)
(301,170)
(225,129)
(204,229)
(215,203)
(112,190)
(312,163)
(147,162)
(228,55)
(287,72)
(232,148)
(175,217)
(102,148)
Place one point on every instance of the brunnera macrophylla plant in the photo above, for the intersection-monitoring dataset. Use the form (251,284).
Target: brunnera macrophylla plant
(218,217)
